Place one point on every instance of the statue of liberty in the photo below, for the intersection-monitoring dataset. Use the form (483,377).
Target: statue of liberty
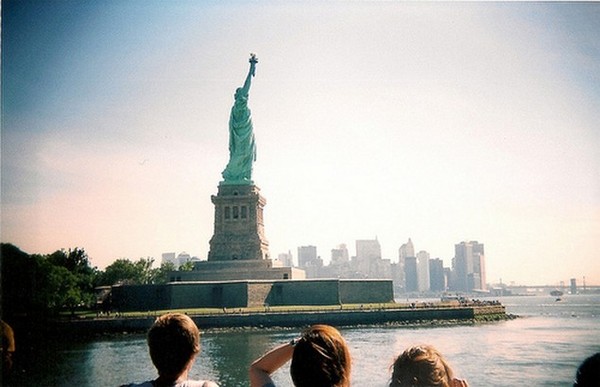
(242,148)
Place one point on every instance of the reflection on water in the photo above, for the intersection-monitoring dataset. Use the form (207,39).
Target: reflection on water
(230,353)
(542,349)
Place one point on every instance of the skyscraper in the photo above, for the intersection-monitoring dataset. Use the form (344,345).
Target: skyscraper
(286,259)
(406,250)
(339,255)
(170,258)
(437,281)
(368,252)
(468,266)
(410,274)
(307,255)
(423,271)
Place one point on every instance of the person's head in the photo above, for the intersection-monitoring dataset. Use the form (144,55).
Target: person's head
(321,358)
(588,373)
(421,365)
(174,342)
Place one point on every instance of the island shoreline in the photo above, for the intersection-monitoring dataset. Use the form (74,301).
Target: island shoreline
(368,316)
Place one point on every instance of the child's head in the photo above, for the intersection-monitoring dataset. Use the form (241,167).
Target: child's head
(174,342)
(421,365)
(321,358)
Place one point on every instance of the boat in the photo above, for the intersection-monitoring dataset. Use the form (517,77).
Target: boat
(556,293)
(451,298)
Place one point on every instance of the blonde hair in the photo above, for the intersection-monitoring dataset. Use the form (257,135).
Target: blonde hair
(173,340)
(321,359)
(421,365)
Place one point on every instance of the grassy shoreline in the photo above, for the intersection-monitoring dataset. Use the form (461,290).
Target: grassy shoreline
(391,314)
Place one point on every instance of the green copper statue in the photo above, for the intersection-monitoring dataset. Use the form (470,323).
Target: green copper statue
(242,148)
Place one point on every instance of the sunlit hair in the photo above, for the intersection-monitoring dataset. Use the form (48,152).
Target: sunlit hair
(321,359)
(421,365)
(173,341)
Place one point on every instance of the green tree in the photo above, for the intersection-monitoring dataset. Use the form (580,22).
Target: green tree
(162,276)
(61,288)
(79,286)
(124,271)
(121,271)
(147,275)
(187,266)
(35,284)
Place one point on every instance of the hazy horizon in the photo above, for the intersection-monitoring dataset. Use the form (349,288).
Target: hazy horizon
(439,122)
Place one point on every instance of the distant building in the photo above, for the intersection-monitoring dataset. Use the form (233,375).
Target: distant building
(479,269)
(182,258)
(339,255)
(169,258)
(448,277)
(573,286)
(410,274)
(368,262)
(177,260)
(468,266)
(367,252)
(286,259)
(423,271)
(437,282)
(406,250)
(307,256)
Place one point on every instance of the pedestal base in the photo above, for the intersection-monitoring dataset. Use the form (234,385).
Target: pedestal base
(239,230)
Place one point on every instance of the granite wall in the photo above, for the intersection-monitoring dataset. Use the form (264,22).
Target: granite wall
(238,294)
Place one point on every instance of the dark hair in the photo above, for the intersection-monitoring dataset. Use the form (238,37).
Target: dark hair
(588,373)
(321,359)
(421,365)
(173,340)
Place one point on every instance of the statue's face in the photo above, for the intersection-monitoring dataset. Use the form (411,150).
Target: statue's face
(237,92)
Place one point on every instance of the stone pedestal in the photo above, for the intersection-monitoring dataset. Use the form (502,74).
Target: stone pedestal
(239,228)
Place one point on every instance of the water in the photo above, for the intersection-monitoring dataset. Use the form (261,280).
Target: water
(543,348)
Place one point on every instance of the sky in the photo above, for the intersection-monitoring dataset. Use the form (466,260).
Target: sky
(440,122)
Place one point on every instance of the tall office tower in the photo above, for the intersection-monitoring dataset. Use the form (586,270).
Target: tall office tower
(423,271)
(573,286)
(339,255)
(468,266)
(437,281)
(448,278)
(368,252)
(307,256)
(286,259)
(182,258)
(479,268)
(406,250)
(410,274)
(169,258)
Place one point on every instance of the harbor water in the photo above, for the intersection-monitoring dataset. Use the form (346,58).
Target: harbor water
(541,348)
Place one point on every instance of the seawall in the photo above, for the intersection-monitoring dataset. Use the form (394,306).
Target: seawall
(370,316)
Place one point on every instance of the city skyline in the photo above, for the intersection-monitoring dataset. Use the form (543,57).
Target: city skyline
(438,122)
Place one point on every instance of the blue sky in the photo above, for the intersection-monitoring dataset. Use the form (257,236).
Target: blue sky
(441,122)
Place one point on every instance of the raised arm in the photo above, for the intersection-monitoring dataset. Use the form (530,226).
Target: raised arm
(261,370)
(251,72)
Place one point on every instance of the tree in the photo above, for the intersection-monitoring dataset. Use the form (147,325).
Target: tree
(124,271)
(18,272)
(44,284)
(79,286)
(162,276)
(147,275)
(61,289)
(187,266)
(121,271)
